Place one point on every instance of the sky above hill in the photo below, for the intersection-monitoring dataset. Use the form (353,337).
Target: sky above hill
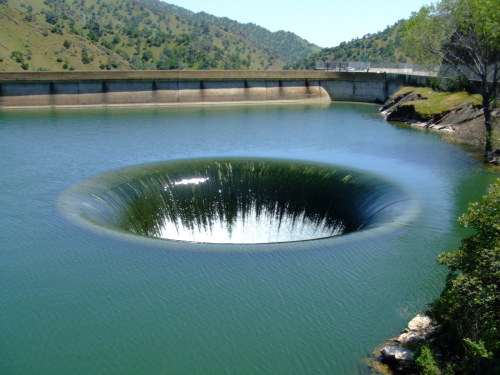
(326,23)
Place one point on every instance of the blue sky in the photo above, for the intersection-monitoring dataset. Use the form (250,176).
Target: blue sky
(323,22)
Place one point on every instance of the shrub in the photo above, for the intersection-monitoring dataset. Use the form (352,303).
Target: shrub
(86,59)
(468,307)
(425,361)
(17,56)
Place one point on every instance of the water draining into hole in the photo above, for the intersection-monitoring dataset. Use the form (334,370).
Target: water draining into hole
(237,201)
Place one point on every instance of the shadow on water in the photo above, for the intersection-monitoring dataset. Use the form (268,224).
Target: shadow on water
(238,201)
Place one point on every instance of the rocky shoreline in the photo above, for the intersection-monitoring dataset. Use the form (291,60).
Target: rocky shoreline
(462,124)
(395,356)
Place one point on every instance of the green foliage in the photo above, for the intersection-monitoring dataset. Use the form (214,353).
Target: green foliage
(147,55)
(423,34)
(86,58)
(91,35)
(384,46)
(469,306)
(139,30)
(458,83)
(286,44)
(464,34)
(425,362)
(456,31)
(116,39)
(51,17)
(17,56)
(455,84)
(477,349)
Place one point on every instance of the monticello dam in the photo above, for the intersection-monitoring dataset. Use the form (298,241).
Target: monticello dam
(54,89)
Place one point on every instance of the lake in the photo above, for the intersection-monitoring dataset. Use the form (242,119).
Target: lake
(81,301)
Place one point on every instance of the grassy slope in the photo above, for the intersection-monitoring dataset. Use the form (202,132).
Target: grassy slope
(42,49)
(434,102)
(190,45)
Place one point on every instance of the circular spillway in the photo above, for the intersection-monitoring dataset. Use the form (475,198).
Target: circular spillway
(237,201)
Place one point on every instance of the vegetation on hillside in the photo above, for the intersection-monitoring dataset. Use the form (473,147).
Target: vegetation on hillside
(131,33)
(28,43)
(288,45)
(384,46)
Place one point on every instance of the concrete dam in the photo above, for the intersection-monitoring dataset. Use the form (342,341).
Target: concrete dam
(98,88)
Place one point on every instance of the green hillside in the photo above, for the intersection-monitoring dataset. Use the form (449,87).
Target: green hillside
(119,34)
(27,43)
(288,45)
(153,35)
(384,46)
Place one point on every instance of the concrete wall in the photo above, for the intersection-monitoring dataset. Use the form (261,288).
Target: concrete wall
(47,89)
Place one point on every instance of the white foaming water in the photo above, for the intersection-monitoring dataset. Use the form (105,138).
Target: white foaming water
(251,227)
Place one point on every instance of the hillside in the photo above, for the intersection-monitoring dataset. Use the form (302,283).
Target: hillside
(384,46)
(27,43)
(119,34)
(288,45)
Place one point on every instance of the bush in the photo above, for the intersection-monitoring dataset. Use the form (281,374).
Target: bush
(458,83)
(17,56)
(51,17)
(425,361)
(468,307)
(86,59)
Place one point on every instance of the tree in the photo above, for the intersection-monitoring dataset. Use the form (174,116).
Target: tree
(469,307)
(466,35)
(425,361)
(51,17)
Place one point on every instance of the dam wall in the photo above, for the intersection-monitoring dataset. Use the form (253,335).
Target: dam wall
(53,89)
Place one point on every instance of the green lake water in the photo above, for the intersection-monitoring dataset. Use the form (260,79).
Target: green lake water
(78,299)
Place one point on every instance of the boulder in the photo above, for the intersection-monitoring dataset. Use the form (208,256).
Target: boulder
(419,329)
(396,353)
(410,337)
(420,323)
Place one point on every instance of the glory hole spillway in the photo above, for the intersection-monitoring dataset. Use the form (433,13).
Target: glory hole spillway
(237,201)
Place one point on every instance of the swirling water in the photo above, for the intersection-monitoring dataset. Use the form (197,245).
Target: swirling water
(236,201)
(77,301)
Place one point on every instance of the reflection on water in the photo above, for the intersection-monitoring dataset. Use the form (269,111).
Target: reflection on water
(239,201)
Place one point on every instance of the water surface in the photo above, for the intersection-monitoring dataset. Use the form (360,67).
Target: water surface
(77,301)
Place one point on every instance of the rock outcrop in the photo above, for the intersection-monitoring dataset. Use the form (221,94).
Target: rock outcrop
(419,329)
(397,352)
(463,124)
